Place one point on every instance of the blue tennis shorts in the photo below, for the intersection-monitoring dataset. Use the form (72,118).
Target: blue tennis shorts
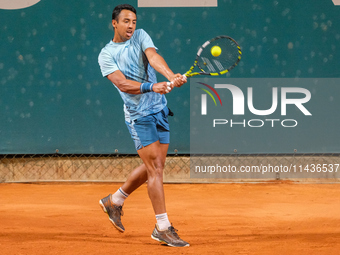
(149,129)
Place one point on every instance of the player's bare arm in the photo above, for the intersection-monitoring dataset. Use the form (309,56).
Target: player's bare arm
(133,87)
(159,64)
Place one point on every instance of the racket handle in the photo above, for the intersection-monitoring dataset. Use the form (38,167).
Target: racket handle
(169,87)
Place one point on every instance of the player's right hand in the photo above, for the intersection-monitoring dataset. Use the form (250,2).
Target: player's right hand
(178,80)
(162,87)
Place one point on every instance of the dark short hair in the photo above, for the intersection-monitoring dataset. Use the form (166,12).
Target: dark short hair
(119,8)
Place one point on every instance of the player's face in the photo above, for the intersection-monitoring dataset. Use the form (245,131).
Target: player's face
(125,26)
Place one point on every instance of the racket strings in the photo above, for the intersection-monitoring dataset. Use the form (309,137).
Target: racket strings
(225,61)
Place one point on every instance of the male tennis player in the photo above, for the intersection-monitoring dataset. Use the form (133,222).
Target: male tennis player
(130,62)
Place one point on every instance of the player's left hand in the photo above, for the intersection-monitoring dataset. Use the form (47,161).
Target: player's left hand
(162,87)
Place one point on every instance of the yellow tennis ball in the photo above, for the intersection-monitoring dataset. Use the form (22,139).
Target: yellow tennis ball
(216,51)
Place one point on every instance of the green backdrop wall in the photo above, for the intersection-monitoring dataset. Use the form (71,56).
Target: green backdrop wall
(52,95)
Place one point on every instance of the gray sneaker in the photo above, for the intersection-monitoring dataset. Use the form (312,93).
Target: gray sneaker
(114,212)
(168,237)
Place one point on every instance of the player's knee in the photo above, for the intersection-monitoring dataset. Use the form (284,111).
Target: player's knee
(158,173)
(157,169)
(157,160)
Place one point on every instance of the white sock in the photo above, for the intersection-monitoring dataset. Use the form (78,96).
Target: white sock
(163,221)
(119,197)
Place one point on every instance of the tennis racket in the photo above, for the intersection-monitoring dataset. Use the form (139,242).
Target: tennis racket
(216,57)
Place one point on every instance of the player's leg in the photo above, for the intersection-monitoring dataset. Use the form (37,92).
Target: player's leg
(153,159)
(139,175)
(137,178)
(113,204)
(163,232)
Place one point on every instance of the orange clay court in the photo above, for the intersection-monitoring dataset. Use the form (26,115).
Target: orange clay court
(264,218)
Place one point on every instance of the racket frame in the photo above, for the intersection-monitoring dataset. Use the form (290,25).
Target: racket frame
(189,73)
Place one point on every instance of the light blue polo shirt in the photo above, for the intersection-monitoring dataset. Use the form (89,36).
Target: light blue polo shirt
(130,59)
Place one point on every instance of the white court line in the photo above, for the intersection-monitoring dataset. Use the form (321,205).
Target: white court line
(177,3)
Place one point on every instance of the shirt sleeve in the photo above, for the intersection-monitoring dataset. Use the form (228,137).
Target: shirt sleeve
(106,63)
(146,41)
